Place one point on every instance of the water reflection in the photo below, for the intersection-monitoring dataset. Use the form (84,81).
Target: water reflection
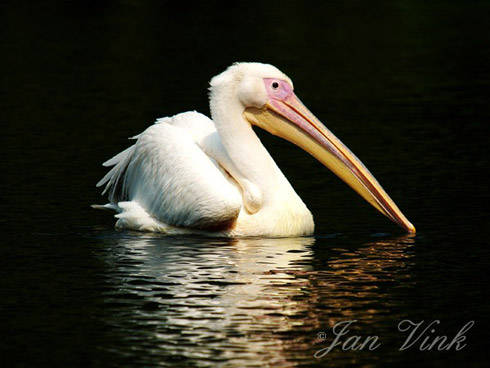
(248,301)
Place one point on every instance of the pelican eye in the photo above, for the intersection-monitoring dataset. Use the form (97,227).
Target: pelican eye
(275,85)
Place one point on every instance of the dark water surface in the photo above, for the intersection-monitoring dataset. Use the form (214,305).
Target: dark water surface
(405,84)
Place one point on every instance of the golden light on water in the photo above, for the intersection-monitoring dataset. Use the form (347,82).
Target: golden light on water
(243,297)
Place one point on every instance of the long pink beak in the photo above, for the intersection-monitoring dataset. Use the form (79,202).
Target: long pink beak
(286,116)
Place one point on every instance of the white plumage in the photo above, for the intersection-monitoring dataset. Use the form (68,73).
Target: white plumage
(169,181)
(190,174)
(169,176)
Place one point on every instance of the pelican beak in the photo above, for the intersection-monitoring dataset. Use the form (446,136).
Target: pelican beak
(288,118)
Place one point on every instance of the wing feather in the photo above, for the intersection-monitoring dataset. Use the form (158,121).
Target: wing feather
(172,178)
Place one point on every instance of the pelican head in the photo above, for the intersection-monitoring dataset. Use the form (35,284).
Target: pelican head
(267,99)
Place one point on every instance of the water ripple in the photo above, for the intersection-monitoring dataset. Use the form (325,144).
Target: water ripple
(246,302)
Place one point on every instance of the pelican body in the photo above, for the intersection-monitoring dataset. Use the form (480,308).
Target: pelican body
(190,174)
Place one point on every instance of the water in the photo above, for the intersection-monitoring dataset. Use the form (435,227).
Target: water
(404,84)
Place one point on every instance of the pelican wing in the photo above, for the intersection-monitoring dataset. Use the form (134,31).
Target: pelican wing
(169,175)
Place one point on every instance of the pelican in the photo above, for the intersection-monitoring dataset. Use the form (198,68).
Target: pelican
(190,174)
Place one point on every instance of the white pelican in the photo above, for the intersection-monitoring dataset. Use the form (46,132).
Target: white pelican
(187,173)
